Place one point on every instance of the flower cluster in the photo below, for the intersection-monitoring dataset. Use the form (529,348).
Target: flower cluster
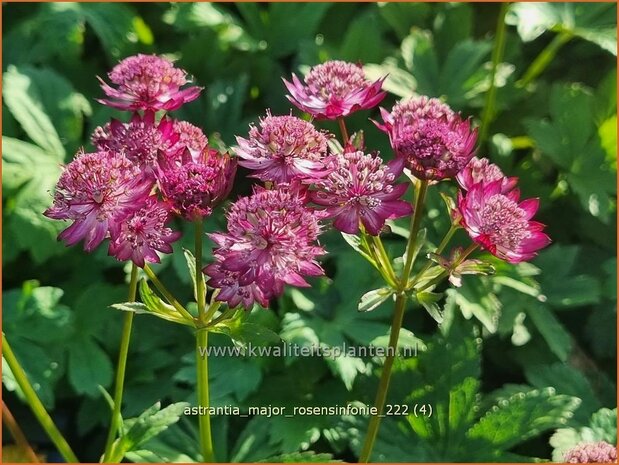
(434,142)
(492,214)
(142,171)
(271,241)
(594,452)
(334,89)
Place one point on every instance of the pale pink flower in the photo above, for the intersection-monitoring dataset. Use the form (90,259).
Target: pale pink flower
(147,82)
(334,89)
(283,149)
(594,452)
(481,170)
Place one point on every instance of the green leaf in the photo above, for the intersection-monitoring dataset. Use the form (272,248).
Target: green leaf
(429,300)
(301,457)
(89,367)
(553,332)
(398,82)
(359,246)
(145,427)
(23,99)
(602,427)
(363,39)
(191,265)
(523,416)
(401,17)
(372,299)
(476,299)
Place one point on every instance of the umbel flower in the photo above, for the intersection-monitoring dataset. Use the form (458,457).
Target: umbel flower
(141,140)
(283,149)
(190,138)
(361,189)
(500,223)
(481,170)
(433,140)
(334,89)
(143,233)
(271,241)
(97,191)
(194,187)
(147,82)
(594,452)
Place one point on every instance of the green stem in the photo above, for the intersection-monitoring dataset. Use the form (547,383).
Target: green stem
(18,435)
(122,366)
(35,403)
(412,239)
(206,441)
(385,378)
(383,257)
(544,58)
(343,129)
(167,294)
(452,230)
(497,56)
(471,248)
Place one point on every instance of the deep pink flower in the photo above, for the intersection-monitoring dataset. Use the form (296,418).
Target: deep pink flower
(271,241)
(334,89)
(141,140)
(97,191)
(191,138)
(194,187)
(500,223)
(594,452)
(481,170)
(433,140)
(143,233)
(283,149)
(147,82)
(361,189)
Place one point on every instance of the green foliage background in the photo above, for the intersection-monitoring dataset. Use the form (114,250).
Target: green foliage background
(521,354)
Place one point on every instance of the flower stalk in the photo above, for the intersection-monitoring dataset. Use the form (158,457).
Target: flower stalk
(18,435)
(36,405)
(122,366)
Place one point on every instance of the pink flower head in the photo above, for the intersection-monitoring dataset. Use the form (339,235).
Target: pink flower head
(147,82)
(97,191)
(594,452)
(481,170)
(433,140)
(283,149)
(143,233)
(334,89)
(194,187)
(500,223)
(271,241)
(141,140)
(361,189)
(191,138)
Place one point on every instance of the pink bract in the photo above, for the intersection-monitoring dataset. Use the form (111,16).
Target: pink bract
(334,89)
(143,233)
(141,140)
(481,170)
(147,82)
(361,189)
(283,149)
(97,191)
(433,140)
(271,241)
(500,223)
(193,188)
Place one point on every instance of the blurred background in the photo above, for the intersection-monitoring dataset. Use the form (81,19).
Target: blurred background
(506,339)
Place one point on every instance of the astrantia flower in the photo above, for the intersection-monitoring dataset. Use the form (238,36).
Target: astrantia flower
(271,241)
(334,89)
(595,452)
(194,187)
(191,138)
(500,223)
(97,191)
(147,82)
(433,140)
(141,140)
(361,189)
(481,170)
(284,148)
